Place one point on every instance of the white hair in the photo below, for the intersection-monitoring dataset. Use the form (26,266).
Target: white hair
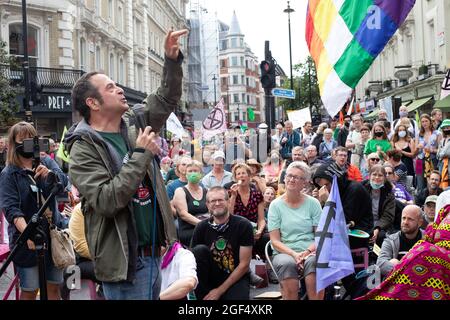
(300,165)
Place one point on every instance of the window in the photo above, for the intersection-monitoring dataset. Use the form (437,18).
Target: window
(98,7)
(243,97)
(16,43)
(236,97)
(234,61)
(242,61)
(234,43)
(223,63)
(111,10)
(138,76)
(223,81)
(121,71)
(242,79)
(223,45)
(83,65)
(120,18)
(98,58)
(235,80)
(246,64)
(111,66)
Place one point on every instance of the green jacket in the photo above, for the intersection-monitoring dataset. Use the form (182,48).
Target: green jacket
(107,186)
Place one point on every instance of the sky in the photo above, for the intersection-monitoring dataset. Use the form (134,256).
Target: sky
(262,20)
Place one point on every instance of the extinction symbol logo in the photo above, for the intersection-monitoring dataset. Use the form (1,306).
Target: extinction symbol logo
(215,120)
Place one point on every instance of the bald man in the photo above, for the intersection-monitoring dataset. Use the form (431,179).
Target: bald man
(396,245)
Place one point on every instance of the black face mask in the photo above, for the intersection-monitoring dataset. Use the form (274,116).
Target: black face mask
(378,134)
(19,150)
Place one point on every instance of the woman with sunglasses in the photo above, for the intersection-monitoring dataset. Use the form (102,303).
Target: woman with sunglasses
(372,159)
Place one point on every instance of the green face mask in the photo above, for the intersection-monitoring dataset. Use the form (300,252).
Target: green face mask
(194,177)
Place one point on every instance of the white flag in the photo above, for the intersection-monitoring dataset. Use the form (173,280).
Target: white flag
(215,122)
(174,125)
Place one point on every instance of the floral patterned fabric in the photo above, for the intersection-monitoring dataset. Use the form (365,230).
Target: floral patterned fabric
(251,210)
(424,273)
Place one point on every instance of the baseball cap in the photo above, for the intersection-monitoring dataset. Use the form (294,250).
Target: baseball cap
(218,154)
(263,126)
(431,199)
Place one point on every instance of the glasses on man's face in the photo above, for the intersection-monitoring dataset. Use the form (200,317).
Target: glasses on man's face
(389,173)
(295,178)
(216,201)
(374,159)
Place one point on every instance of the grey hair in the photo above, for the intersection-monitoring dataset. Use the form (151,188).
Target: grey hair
(301,166)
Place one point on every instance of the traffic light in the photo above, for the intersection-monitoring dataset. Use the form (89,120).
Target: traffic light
(268,74)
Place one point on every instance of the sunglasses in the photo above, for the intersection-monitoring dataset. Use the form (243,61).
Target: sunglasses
(374,159)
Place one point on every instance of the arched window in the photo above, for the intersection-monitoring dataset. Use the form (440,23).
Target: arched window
(83,59)
(16,43)
(111,66)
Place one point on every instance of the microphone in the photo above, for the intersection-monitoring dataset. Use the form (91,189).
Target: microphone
(139,114)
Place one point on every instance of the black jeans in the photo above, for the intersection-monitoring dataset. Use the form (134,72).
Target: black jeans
(210,277)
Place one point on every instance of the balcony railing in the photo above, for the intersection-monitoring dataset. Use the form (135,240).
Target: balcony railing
(46,77)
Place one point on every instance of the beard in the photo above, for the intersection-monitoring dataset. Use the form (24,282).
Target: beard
(219,213)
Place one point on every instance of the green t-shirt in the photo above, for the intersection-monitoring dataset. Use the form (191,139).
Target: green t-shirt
(372,144)
(142,199)
(295,225)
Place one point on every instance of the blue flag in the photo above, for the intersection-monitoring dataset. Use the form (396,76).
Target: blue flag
(334,258)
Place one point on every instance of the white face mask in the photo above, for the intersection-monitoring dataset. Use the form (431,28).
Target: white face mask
(402,134)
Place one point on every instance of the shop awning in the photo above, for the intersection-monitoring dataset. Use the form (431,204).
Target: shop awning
(372,115)
(443,104)
(418,103)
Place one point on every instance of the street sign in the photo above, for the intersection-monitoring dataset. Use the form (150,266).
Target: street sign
(283,93)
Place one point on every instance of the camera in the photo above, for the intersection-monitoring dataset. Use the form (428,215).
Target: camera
(30,145)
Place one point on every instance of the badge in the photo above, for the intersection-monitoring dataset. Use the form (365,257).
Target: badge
(220,244)
(195,203)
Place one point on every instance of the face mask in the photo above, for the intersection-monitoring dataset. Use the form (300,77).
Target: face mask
(275,159)
(376,186)
(446,132)
(402,134)
(347,124)
(403,114)
(378,134)
(19,150)
(194,177)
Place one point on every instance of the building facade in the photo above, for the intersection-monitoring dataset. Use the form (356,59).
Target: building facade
(412,66)
(122,38)
(239,77)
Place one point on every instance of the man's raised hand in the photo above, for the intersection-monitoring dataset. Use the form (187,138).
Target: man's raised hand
(172,46)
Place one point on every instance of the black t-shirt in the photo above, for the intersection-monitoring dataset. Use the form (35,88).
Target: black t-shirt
(406,244)
(225,246)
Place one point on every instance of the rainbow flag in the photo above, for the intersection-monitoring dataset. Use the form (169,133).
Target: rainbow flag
(344,38)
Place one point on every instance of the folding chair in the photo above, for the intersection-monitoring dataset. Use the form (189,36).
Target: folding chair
(302,284)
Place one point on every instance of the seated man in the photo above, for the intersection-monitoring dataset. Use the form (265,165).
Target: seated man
(222,246)
(432,189)
(340,156)
(178,273)
(396,245)
(429,210)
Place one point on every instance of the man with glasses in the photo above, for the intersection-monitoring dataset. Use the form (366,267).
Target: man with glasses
(340,155)
(432,189)
(222,246)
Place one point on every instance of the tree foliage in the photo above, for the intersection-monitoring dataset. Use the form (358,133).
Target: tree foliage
(306,87)
(8,104)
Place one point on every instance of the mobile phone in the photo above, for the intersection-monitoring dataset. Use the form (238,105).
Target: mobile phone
(29,145)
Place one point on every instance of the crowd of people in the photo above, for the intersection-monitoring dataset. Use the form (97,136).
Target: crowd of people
(157,218)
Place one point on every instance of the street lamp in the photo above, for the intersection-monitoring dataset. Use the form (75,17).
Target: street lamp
(288,10)
(215,98)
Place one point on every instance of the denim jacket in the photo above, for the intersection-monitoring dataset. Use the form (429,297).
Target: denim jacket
(18,198)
